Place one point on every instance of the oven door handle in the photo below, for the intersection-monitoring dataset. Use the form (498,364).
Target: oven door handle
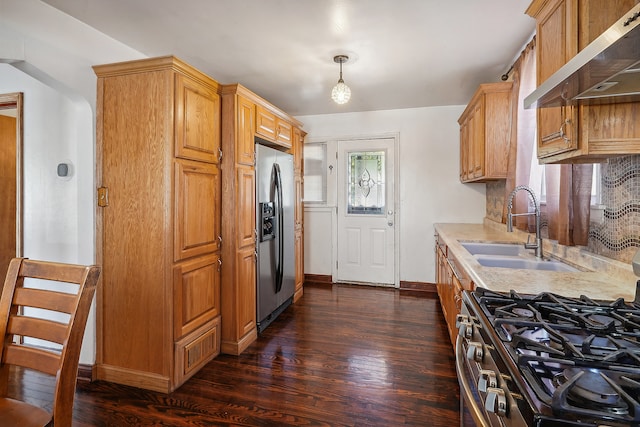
(464,380)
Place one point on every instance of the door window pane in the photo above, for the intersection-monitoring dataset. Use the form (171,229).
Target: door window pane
(366,183)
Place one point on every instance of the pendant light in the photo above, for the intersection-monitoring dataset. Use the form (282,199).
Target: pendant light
(341,92)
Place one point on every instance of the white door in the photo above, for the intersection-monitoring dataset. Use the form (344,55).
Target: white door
(366,211)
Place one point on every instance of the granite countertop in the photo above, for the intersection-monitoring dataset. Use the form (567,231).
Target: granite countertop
(599,278)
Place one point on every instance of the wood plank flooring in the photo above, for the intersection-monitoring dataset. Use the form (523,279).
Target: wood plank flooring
(342,356)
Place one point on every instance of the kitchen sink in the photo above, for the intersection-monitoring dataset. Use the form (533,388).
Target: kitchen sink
(524,263)
(481,248)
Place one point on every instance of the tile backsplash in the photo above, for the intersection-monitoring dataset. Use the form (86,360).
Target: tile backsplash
(495,199)
(617,236)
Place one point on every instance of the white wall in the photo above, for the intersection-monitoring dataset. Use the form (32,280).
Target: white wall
(430,188)
(48,56)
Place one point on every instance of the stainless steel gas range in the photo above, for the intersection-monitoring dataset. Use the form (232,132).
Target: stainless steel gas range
(548,360)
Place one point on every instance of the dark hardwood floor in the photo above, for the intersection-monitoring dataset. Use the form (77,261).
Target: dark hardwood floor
(342,356)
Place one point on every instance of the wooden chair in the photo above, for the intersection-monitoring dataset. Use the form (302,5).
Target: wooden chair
(17,296)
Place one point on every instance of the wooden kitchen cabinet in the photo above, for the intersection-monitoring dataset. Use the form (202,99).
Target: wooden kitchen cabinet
(245,117)
(297,151)
(485,133)
(581,133)
(451,281)
(159,222)
(272,127)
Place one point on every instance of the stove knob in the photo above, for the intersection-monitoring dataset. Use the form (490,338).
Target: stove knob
(496,401)
(475,351)
(487,380)
(461,318)
(465,330)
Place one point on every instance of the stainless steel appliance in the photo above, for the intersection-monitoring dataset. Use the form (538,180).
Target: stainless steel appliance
(548,360)
(274,217)
(606,71)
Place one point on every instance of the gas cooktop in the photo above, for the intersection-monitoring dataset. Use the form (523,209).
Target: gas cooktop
(579,358)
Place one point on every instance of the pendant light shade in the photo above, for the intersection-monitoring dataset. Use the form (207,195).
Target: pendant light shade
(341,92)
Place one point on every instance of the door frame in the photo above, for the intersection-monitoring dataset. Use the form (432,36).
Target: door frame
(396,205)
(15,101)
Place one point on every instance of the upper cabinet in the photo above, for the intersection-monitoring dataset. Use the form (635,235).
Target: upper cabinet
(485,133)
(582,133)
(273,128)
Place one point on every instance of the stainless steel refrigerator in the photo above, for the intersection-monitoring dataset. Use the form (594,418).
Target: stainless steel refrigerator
(274,217)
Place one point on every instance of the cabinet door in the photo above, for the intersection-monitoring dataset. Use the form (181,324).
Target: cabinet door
(284,133)
(456,306)
(464,151)
(197,121)
(265,123)
(246,290)
(299,260)
(477,140)
(246,208)
(245,142)
(555,46)
(298,210)
(197,209)
(196,293)
(297,147)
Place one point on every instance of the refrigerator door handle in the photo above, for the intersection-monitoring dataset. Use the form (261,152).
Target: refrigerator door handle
(280,231)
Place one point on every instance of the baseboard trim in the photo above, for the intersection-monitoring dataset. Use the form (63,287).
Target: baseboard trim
(318,278)
(419,286)
(85,372)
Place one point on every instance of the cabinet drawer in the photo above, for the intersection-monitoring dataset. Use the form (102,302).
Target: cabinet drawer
(195,350)
(196,293)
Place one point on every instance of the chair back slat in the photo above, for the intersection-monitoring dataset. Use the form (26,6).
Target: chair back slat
(45,299)
(19,320)
(34,327)
(32,358)
(58,272)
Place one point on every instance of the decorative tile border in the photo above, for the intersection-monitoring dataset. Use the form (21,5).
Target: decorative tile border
(618,236)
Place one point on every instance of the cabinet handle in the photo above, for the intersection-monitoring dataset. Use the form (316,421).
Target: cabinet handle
(219,264)
(563,135)
(559,134)
(219,155)
(219,241)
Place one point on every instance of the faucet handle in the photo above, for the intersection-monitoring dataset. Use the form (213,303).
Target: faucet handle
(530,245)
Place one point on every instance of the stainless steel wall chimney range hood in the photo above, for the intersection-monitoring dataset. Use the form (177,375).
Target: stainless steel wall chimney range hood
(606,71)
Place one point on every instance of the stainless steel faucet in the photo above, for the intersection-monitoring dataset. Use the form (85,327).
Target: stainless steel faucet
(538,244)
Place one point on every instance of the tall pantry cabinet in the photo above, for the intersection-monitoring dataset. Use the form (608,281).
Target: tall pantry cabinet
(159,222)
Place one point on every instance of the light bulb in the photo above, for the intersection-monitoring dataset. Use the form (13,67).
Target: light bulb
(341,93)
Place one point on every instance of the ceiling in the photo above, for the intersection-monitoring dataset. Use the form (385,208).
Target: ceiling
(403,53)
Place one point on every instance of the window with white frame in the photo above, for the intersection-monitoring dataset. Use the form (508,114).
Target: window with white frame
(315,173)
